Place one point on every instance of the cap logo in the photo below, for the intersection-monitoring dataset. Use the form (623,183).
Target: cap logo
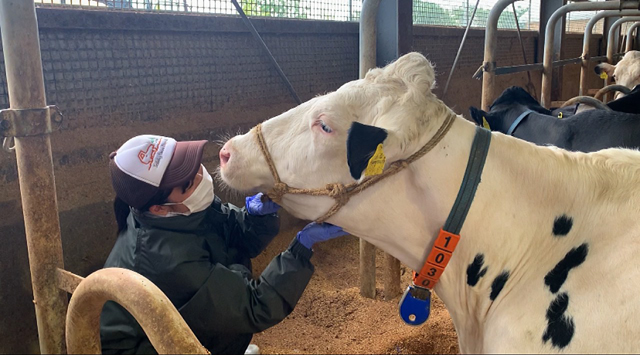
(143,157)
(148,155)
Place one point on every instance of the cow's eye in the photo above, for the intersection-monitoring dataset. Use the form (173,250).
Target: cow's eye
(325,127)
(613,77)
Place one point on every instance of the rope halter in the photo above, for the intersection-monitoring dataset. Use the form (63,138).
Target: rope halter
(339,192)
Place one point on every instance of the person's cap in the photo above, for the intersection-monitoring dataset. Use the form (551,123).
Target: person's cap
(146,164)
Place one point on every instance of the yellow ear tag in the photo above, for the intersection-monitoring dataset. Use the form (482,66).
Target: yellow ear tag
(376,163)
(560,115)
(485,124)
(604,75)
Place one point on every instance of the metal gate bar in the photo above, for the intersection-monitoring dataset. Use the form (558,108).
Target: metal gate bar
(547,72)
(630,37)
(25,83)
(588,33)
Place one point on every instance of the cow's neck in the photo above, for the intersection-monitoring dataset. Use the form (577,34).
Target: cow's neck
(540,127)
(509,222)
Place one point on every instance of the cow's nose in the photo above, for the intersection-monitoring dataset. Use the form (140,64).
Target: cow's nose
(224,155)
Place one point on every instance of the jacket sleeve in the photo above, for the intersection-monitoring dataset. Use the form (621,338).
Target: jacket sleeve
(251,234)
(229,302)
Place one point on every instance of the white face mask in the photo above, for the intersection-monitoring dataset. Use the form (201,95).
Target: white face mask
(199,200)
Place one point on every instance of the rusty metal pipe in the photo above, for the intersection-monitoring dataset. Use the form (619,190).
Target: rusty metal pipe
(490,44)
(630,37)
(21,48)
(588,33)
(160,320)
(368,61)
(547,71)
(613,31)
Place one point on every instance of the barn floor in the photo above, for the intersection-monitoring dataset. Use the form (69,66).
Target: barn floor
(332,317)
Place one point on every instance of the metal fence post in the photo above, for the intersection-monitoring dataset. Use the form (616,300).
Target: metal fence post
(368,61)
(21,47)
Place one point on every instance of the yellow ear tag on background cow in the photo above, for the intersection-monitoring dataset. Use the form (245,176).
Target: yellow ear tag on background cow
(604,75)
(376,163)
(560,115)
(485,124)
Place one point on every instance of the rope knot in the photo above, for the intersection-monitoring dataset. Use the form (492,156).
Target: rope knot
(279,189)
(338,192)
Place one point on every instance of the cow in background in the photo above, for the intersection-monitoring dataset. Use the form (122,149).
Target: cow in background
(517,113)
(625,73)
(547,260)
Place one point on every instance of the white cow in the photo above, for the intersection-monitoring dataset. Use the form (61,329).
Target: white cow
(625,73)
(548,256)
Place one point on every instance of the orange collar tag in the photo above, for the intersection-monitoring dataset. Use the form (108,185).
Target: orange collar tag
(437,260)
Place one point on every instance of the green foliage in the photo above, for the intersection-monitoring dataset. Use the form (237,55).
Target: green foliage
(274,8)
(429,13)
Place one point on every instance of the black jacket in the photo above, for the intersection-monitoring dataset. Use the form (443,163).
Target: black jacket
(202,263)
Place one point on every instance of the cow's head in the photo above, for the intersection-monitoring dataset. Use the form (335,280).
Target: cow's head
(506,108)
(330,138)
(625,73)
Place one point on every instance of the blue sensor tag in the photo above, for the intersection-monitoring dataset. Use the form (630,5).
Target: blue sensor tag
(415,305)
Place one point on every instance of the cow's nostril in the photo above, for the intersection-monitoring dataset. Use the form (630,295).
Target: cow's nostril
(224,155)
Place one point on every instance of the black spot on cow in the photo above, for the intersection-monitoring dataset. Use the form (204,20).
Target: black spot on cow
(562,225)
(560,327)
(558,275)
(475,270)
(498,284)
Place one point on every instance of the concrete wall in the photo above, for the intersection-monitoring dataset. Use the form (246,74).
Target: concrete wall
(115,75)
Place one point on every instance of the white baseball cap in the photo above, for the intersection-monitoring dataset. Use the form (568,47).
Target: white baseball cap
(145,164)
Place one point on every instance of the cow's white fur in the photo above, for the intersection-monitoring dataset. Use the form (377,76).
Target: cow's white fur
(524,188)
(626,72)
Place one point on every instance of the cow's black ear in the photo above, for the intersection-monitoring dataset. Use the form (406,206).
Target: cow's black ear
(476,115)
(361,144)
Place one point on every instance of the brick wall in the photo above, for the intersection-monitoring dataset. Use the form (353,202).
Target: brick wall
(115,75)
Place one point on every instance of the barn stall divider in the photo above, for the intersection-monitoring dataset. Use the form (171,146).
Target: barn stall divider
(29,123)
(547,73)
(588,33)
(490,69)
(630,37)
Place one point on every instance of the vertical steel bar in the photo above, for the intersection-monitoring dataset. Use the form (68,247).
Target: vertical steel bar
(547,72)
(490,44)
(368,61)
(21,47)
(630,38)
(588,33)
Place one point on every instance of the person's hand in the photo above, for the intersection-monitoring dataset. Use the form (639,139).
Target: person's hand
(314,232)
(256,207)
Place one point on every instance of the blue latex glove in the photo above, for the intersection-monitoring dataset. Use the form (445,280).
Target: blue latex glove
(314,232)
(257,208)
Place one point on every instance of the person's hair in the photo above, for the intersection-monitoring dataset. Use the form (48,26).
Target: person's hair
(121,209)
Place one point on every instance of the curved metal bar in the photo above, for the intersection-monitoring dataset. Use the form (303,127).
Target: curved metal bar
(630,34)
(613,32)
(547,73)
(587,100)
(623,89)
(167,331)
(588,32)
(490,44)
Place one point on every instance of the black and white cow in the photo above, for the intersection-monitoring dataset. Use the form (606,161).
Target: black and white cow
(548,255)
(516,113)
